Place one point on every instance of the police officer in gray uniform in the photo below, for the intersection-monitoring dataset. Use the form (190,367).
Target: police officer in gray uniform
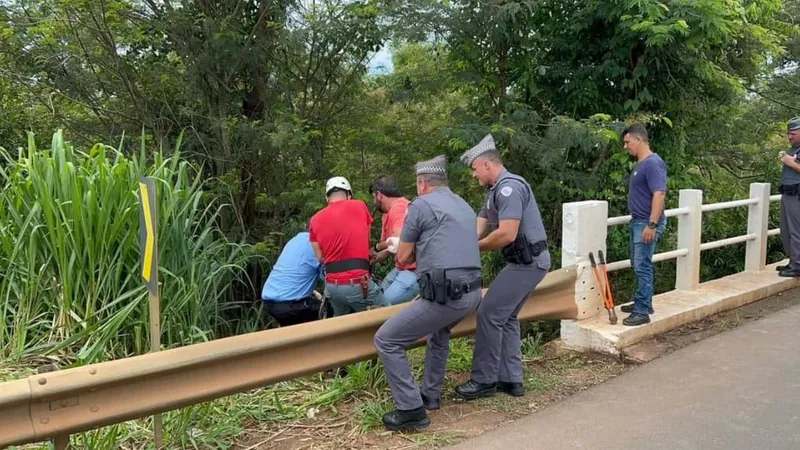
(511,209)
(790,201)
(439,234)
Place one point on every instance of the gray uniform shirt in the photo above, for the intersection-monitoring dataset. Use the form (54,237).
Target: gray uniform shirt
(788,175)
(511,197)
(443,227)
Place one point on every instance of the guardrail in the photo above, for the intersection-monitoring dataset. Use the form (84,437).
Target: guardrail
(57,404)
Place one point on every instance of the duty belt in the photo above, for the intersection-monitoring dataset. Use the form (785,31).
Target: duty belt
(435,286)
(789,189)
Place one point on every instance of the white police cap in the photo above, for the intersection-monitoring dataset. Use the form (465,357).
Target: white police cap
(486,144)
(436,165)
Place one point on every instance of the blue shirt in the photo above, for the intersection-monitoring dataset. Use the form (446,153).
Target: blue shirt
(649,176)
(295,273)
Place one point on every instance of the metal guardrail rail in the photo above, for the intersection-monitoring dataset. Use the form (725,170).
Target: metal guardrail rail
(57,404)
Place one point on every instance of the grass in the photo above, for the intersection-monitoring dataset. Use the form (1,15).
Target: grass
(70,257)
(369,413)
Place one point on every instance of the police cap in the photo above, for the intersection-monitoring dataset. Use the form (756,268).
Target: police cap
(436,165)
(485,145)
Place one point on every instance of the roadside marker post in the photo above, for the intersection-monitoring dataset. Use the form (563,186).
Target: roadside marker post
(148,238)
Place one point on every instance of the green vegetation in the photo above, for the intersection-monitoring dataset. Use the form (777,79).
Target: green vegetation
(69,254)
(246,107)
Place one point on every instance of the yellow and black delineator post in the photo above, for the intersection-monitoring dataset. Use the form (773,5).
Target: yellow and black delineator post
(148,238)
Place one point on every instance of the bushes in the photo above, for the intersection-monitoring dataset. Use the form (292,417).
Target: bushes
(69,254)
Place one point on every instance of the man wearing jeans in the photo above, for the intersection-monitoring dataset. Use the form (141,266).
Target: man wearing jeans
(646,193)
(400,285)
(339,234)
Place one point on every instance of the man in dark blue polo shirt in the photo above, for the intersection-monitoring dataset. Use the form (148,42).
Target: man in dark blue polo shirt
(646,195)
(289,290)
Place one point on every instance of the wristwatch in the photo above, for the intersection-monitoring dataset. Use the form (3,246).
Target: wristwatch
(652,225)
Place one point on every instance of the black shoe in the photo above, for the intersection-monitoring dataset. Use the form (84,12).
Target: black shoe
(472,390)
(779,268)
(512,389)
(789,273)
(431,403)
(414,419)
(629,309)
(636,319)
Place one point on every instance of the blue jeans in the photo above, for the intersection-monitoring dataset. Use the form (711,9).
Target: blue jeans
(400,286)
(642,263)
(348,299)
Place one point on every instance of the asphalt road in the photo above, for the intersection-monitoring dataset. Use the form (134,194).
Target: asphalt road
(738,390)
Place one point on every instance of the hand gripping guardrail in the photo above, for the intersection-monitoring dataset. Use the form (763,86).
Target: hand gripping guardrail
(56,404)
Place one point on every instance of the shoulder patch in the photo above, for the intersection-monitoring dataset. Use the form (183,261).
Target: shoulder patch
(506,191)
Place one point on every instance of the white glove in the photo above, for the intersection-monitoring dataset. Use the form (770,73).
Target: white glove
(392,243)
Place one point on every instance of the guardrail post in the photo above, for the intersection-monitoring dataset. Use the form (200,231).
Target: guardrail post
(758,224)
(690,227)
(583,230)
(61,442)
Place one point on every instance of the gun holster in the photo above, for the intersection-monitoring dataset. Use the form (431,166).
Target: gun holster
(522,251)
(433,285)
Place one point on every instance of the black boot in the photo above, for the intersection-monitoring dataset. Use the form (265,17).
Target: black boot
(472,390)
(414,419)
(431,403)
(779,268)
(636,319)
(512,389)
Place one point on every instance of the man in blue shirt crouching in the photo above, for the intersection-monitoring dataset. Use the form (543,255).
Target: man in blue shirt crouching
(289,293)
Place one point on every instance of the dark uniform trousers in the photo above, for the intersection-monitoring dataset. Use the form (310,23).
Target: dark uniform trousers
(790,225)
(295,312)
(421,318)
(498,355)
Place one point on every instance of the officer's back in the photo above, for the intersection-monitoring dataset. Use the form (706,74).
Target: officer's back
(449,239)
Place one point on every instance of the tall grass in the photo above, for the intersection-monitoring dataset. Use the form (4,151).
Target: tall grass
(70,259)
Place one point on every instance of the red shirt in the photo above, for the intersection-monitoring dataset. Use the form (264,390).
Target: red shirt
(341,230)
(392,223)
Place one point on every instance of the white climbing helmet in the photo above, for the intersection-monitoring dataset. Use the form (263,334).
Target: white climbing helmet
(337,182)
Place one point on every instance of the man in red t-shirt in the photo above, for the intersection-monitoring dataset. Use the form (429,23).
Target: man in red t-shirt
(339,234)
(400,284)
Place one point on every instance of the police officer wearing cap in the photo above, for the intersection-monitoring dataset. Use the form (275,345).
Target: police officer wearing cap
(510,208)
(790,201)
(439,234)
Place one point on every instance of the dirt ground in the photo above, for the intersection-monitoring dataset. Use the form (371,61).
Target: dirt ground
(555,376)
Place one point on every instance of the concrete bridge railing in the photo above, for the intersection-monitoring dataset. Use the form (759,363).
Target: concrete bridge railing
(585,229)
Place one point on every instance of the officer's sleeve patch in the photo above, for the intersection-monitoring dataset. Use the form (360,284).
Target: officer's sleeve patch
(506,191)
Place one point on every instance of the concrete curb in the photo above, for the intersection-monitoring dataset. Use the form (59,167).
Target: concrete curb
(674,309)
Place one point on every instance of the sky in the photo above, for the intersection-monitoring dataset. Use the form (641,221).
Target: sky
(381,62)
